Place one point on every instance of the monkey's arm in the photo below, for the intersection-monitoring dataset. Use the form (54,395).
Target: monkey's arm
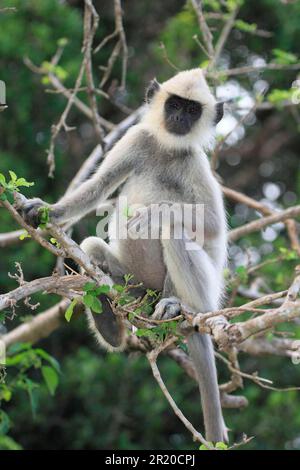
(114,170)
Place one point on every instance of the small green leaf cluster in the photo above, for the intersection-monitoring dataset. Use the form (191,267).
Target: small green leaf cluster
(218,446)
(14,184)
(242,274)
(23,359)
(287,254)
(284,58)
(56,70)
(277,97)
(123,291)
(161,332)
(89,299)
(245,27)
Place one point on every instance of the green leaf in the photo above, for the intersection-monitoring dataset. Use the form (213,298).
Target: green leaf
(88,300)
(287,254)
(2,180)
(89,286)
(4,422)
(44,355)
(23,182)
(44,216)
(246,27)
(5,393)
(70,310)
(128,277)
(126,299)
(13,176)
(9,196)
(148,309)
(7,443)
(204,447)
(131,315)
(92,289)
(18,347)
(127,212)
(24,235)
(45,80)
(277,97)
(144,332)
(283,57)
(47,66)
(25,359)
(54,242)
(104,289)
(231,5)
(204,64)
(51,378)
(30,387)
(221,446)
(118,287)
(241,271)
(62,42)
(61,73)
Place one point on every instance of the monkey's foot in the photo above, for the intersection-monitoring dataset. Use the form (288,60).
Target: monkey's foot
(30,211)
(108,328)
(167,308)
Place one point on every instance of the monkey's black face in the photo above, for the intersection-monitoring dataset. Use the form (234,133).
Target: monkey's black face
(181,114)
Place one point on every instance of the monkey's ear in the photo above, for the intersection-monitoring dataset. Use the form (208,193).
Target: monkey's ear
(219,112)
(153,87)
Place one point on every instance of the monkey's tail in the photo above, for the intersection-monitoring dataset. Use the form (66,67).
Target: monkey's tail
(201,350)
(195,282)
(108,329)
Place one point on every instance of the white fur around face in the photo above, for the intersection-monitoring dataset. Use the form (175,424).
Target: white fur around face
(190,85)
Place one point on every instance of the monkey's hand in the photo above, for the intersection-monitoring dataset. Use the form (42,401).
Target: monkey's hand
(167,308)
(32,213)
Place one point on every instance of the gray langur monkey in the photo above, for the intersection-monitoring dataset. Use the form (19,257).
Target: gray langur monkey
(162,159)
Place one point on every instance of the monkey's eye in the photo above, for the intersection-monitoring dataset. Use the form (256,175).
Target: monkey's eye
(174,105)
(193,109)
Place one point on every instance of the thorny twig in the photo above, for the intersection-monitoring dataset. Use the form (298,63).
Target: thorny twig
(121,45)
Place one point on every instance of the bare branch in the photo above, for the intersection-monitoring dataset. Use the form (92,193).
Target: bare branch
(41,326)
(90,25)
(265,210)
(152,357)
(10,238)
(49,284)
(121,45)
(223,38)
(257,225)
(245,70)
(206,33)
(120,29)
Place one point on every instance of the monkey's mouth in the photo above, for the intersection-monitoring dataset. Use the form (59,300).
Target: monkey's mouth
(178,128)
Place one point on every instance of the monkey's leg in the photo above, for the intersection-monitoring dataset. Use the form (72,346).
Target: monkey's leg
(108,328)
(194,279)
